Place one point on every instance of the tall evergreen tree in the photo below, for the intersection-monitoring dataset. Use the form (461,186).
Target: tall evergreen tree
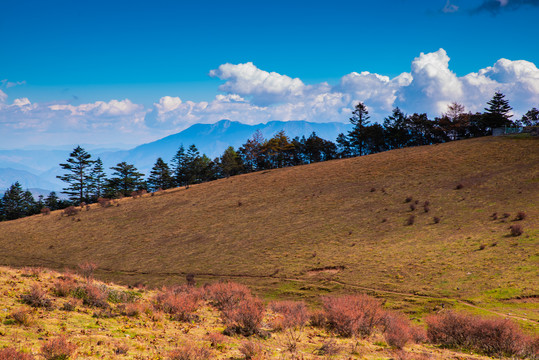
(230,162)
(160,176)
(357,136)
(125,179)
(97,179)
(179,167)
(396,133)
(497,114)
(531,118)
(78,166)
(17,203)
(52,201)
(251,152)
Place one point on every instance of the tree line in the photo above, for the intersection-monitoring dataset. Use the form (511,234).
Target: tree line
(87,181)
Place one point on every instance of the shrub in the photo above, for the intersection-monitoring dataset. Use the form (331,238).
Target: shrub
(71,304)
(516,230)
(410,220)
(408,199)
(373,189)
(133,309)
(104,203)
(87,269)
(92,295)
(498,337)
(245,317)
(459,186)
(13,354)
(64,285)
(189,352)
(293,314)
(180,305)
(251,350)
(190,279)
(318,319)
(353,314)
(71,211)
(329,348)
(58,349)
(521,215)
(224,295)
(121,349)
(217,340)
(45,211)
(436,219)
(36,298)
(494,216)
(397,330)
(412,207)
(21,316)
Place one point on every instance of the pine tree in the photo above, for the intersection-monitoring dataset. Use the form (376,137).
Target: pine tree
(17,203)
(52,201)
(356,137)
(160,176)
(230,162)
(97,180)
(78,166)
(179,167)
(498,112)
(531,118)
(125,179)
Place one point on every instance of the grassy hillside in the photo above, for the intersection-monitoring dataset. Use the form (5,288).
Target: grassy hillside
(338,226)
(128,324)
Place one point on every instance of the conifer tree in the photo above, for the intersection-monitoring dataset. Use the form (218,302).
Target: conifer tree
(160,176)
(78,166)
(498,112)
(17,203)
(360,120)
(97,180)
(179,167)
(125,179)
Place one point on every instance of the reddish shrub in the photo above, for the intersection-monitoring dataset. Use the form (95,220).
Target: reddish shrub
(37,298)
(251,350)
(498,337)
(217,340)
(436,219)
(373,189)
(245,317)
(190,279)
(92,295)
(105,203)
(410,220)
(293,314)
(58,349)
(180,305)
(397,330)
(506,215)
(64,286)
(189,352)
(87,269)
(45,211)
(318,319)
(21,316)
(516,230)
(412,207)
(353,314)
(224,295)
(521,215)
(13,354)
(71,211)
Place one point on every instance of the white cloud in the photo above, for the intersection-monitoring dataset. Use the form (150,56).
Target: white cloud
(450,8)
(251,95)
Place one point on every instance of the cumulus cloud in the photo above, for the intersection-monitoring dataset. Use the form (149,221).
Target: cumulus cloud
(251,95)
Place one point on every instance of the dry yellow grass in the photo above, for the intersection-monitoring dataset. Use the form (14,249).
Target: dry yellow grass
(152,335)
(307,230)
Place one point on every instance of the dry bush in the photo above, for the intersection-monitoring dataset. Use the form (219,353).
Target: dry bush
(318,319)
(21,316)
(412,207)
(190,352)
(71,304)
(87,269)
(493,337)
(436,219)
(37,298)
(31,271)
(373,189)
(64,285)
(71,211)
(521,215)
(13,354)
(104,203)
(293,314)
(350,315)
(58,349)
(134,309)
(408,199)
(45,211)
(329,348)
(245,317)
(190,280)
(494,216)
(217,340)
(224,295)
(506,215)
(410,220)
(459,186)
(516,230)
(120,349)
(180,306)
(92,295)
(397,330)
(251,350)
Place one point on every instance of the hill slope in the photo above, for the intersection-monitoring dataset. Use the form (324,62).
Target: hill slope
(296,232)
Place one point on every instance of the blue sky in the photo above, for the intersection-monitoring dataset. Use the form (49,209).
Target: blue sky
(79,70)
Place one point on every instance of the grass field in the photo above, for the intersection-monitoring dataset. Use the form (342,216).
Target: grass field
(332,227)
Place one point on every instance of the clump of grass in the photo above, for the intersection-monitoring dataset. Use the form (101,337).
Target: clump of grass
(21,316)
(521,215)
(58,349)
(516,230)
(482,246)
(121,349)
(412,207)
(36,297)
(14,354)
(329,348)
(494,216)
(506,215)
(104,202)
(373,189)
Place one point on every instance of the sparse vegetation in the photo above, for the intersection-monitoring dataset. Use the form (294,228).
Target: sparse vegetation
(516,230)
(58,349)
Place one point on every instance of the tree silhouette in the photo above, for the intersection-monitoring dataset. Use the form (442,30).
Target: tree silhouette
(78,166)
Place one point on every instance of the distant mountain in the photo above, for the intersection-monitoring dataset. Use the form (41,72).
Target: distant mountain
(213,139)
(9,176)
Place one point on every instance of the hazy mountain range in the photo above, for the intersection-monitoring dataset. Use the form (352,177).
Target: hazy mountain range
(37,168)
